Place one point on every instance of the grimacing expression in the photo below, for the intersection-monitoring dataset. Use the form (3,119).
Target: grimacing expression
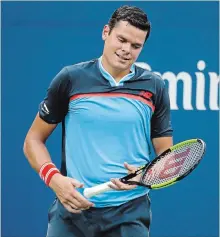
(122,45)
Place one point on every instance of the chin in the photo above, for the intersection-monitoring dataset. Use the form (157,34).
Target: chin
(120,66)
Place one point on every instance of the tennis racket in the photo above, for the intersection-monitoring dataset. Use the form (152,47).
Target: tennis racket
(166,169)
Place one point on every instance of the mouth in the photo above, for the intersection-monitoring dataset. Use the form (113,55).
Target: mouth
(122,58)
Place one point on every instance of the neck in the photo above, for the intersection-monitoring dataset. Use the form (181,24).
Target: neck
(116,74)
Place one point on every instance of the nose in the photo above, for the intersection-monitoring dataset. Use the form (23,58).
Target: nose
(126,47)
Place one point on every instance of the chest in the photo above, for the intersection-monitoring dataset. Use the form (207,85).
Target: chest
(111,109)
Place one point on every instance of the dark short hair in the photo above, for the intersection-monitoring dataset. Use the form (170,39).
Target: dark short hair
(133,15)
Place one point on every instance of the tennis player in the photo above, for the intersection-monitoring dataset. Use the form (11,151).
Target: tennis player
(111,112)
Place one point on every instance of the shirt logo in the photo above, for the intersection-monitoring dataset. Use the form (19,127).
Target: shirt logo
(45,109)
(146,94)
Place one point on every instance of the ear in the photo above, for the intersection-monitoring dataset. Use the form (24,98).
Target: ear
(105,32)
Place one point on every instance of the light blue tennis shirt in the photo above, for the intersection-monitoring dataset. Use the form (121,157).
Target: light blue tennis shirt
(106,123)
(103,132)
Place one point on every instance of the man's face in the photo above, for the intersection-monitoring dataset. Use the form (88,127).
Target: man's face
(122,46)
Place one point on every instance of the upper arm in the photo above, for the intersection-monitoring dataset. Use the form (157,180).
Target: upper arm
(161,129)
(161,119)
(40,130)
(52,109)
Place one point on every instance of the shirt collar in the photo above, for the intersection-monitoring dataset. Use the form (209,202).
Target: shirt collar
(110,78)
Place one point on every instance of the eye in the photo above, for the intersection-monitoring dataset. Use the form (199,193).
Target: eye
(136,46)
(121,40)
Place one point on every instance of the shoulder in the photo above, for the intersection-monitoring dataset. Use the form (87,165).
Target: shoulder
(81,67)
(146,75)
(68,74)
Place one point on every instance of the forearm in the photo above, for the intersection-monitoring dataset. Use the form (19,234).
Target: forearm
(36,153)
(161,144)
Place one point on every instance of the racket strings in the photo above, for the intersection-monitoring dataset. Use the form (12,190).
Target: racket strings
(173,164)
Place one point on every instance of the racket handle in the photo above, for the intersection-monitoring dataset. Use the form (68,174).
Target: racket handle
(101,188)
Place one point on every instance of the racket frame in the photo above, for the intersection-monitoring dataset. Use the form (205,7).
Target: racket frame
(143,169)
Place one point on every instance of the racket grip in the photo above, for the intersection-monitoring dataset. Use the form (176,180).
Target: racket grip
(101,188)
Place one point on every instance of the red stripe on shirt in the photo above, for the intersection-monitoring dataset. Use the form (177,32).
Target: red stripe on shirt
(130,96)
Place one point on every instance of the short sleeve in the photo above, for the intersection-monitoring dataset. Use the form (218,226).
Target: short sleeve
(54,107)
(161,119)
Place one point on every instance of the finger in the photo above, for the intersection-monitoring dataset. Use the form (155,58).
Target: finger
(130,168)
(76,183)
(70,209)
(126,186)
(71,200)
(83,209)
(75,198)
(76,207)
(74,204)
(113,186)
(122,186)
(84,203)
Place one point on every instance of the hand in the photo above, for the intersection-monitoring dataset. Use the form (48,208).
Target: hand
(65,189)
(118,185)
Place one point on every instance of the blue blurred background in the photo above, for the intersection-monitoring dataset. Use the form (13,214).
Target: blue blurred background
(39,38)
